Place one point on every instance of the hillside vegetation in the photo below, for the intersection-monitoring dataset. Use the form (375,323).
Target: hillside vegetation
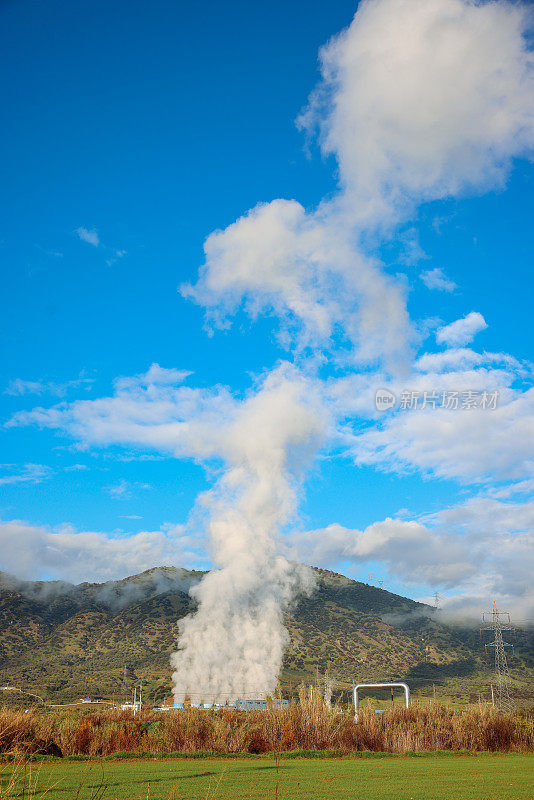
(67,641)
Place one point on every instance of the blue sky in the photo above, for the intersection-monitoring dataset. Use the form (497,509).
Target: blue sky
(130,132)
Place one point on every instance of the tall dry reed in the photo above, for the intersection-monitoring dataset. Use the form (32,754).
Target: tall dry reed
(305,725)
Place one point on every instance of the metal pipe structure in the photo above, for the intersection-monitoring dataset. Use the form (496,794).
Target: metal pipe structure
(359,686)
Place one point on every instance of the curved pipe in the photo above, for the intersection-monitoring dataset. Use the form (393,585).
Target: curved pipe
(359,686)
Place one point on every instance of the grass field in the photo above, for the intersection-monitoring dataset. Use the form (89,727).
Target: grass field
(473,777)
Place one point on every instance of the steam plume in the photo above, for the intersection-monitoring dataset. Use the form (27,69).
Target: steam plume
(234,644)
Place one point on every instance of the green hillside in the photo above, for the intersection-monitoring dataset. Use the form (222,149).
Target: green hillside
(65,641)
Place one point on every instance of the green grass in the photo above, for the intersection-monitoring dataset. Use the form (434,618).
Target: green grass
(472,777)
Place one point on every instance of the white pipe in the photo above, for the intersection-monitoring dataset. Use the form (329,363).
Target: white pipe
(379,686)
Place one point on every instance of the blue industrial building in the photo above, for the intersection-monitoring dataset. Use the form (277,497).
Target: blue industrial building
(248,704)
(241,704)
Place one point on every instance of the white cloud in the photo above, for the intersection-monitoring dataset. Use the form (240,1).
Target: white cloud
(19,387)
(171,419)
(425,100)
(124,489)
(24,473)
(407,549)
(505,492)
(149,411)
(418,101)
(477,445)
(31,551)
(304,268)
(482,444)
(92,237)
(154,376)
(121,489)
(436,279)
(465,358)
(411,251)
(461,331)
(482,550)
(200,423)
(88,235)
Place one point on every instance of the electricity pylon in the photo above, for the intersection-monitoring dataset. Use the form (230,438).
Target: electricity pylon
(502,674)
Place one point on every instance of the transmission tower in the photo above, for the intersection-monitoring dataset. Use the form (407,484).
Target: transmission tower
(436,601)
(492,620)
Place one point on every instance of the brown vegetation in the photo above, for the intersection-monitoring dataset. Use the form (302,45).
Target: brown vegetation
(306,725)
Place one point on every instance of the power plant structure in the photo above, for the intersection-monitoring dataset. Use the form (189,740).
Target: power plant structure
(240,704)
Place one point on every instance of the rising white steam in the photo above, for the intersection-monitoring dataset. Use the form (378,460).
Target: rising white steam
(234,644)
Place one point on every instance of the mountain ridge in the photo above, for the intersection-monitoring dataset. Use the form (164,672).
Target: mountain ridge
(65,641)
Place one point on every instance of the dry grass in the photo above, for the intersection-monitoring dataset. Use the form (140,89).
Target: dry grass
(305,725)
